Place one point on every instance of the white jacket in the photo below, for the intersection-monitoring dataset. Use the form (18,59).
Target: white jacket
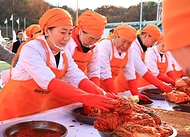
(105,56)
(135,53)
(32,64)
(152,56)
(93,67)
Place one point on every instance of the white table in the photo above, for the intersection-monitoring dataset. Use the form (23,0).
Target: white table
(64,116)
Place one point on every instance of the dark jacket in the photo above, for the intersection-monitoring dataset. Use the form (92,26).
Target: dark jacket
(16,45)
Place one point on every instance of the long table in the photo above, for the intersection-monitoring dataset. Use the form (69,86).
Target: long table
(64,116)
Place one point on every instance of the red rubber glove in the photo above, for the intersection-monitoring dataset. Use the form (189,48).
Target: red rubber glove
(171,74)
(166,79)
(89,86)
(134,91)
(66,90)
(183,74)
(96,80)
(148,76)
(109,85)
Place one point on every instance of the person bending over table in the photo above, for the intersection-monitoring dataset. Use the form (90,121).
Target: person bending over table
(159,62)
(46,76)
(148,37)
(89,30)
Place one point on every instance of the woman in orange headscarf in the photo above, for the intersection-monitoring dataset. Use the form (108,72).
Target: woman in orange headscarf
(88,31)
(176,20)
(33,31)
(147,38)
(159,62)
(113,57)
(40,79)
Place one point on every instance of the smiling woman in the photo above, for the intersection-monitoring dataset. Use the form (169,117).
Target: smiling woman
(55,74)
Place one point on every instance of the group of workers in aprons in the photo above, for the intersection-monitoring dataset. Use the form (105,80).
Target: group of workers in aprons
(66,64)
(126,64)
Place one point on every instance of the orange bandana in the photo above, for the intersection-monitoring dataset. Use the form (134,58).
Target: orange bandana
(161,38)
(176,23)
(126,32)
(55,17)
(32,29)
(153,31)
(92,22)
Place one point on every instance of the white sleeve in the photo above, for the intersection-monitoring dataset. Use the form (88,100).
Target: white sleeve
(177,67)
(33,64)
(140,67)
(105,55)
(73,75)
(151,62)
(93,68)
(170,67)
(129,69)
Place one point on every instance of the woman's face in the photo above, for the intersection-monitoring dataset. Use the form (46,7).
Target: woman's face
(161,47)
(59,36)
(148,40)
(121,44)
(88,39)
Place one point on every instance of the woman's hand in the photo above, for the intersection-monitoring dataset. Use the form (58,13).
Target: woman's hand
(104,102)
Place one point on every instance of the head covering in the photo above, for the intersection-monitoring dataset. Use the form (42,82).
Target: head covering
(92,22)
(176,23)
(55,17)
(161,39)
(32,29)
(126,32)
(153,31)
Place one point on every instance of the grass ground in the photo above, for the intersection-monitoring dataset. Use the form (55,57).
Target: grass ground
(3,66)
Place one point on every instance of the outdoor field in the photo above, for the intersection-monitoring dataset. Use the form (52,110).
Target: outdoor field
(3,66)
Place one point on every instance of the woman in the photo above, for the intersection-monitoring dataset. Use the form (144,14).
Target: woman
(176,31)
(41,78)
(147,38)
(32,32)
(88,31)
(113,57)
(159,62)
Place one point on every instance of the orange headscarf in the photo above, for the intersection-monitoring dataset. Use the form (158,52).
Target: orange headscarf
(92,22)
(126,32)
(161,39)
(55,17)
(153,31)
(32,29)
(176,23)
